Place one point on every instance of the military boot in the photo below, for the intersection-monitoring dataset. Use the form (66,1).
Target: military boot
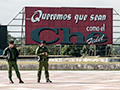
(20,81)
(11,81)
(38,81)
(49,81)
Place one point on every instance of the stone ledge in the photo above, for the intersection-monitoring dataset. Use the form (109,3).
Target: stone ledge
(67,66)
(79,59)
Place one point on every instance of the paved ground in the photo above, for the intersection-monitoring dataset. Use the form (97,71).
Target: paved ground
(64,80)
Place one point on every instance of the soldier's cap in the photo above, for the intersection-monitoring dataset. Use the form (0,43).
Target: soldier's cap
(43,41)
(11,42)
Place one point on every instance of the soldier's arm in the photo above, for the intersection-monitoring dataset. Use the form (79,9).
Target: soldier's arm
(38,53)
(17,53)
(48,51)
(5,54)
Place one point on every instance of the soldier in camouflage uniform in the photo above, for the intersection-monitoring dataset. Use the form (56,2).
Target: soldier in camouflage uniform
(42,53)
(11,54)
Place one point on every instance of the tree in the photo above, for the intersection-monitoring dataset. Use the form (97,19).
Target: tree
(74,50)
(100,50)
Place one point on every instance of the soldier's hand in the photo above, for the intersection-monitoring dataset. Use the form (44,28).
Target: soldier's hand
(46,53)
(43,53)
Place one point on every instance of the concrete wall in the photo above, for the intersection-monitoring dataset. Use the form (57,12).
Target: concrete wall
(68,66)
(79,59)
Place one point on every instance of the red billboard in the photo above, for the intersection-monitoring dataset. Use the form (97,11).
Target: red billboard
(62,25)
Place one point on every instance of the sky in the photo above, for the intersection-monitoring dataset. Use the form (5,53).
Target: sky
(10,8)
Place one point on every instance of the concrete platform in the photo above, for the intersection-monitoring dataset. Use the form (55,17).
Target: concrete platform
(64,80)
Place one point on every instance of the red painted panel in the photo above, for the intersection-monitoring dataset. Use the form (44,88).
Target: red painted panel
(76,19)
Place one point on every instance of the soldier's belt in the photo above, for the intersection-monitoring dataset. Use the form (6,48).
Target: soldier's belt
(40,59)
(43,59)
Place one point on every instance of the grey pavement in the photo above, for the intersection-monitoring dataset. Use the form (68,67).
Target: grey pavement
(63,80)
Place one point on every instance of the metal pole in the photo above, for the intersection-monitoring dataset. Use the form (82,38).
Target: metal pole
(60,49)
(106,51)
(94,50)
(22,30)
